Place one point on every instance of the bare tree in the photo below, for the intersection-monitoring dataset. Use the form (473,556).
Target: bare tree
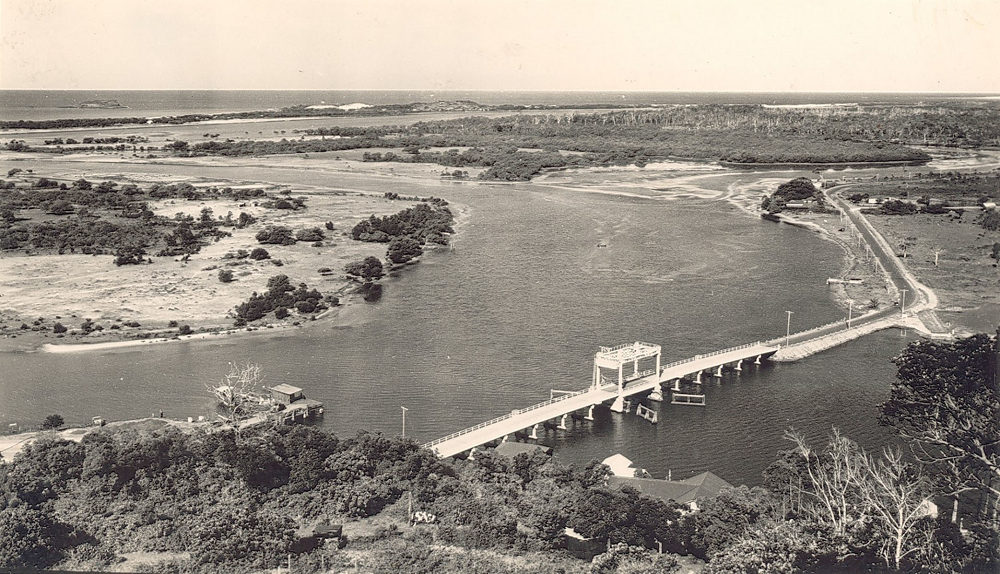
(240,395)
(834,474)
(897,496)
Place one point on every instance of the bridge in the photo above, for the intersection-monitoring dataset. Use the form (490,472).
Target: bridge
(619,373)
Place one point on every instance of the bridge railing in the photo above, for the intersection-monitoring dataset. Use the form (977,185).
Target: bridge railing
(841,322)
(510,415)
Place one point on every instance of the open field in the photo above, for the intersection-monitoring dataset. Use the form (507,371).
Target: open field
(966,279)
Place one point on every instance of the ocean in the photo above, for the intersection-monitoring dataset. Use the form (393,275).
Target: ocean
(40,104)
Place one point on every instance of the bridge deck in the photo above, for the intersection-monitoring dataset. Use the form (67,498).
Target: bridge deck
(527,417)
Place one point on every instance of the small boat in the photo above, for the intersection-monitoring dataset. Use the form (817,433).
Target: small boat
(602,244)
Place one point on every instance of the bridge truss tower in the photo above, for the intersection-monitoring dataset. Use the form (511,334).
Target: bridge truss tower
(618,359)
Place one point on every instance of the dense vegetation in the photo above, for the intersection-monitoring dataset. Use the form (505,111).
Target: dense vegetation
(105,217)
(796,190)
(235,500)
(280,297)
(422,223)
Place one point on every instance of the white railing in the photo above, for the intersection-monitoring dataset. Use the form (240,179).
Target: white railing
(714,353)
(512,414)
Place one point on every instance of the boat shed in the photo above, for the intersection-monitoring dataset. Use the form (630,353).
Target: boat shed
(286,394)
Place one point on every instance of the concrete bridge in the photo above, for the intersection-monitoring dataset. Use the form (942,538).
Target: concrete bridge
(619,373)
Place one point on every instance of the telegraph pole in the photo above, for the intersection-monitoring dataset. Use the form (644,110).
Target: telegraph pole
(788,327)
(404,420)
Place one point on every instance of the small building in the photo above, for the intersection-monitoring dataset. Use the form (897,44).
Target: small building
(686,492)
(989,205)
(286,394)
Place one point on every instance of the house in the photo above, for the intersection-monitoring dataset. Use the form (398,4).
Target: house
(686,492)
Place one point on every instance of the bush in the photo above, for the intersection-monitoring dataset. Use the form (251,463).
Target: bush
(58,328)
(280,313)
(403,249)
(225,275)
(369,269)
(276,236)
(312,234)
(259,254)
(53,422)
(185,330)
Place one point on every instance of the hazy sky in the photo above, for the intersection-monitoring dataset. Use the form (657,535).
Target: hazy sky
(665,45)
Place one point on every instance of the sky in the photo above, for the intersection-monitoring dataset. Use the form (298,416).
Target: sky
(514,45)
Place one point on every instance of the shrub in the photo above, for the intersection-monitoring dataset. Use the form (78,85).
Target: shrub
(403,249)
(276,236)
(225,275)
(259,254)
(280,313)
(53,422)
(185,330)
(58,328)
(369,269)
(311,234)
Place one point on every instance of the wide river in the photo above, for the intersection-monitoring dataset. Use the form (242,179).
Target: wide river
(519,307)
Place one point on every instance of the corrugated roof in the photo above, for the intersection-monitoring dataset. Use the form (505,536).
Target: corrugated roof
(287,389)
(704,485)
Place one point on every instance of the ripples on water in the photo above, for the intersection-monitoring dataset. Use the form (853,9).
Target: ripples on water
(518,308)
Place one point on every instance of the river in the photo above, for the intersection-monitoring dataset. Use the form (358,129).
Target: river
(519,307)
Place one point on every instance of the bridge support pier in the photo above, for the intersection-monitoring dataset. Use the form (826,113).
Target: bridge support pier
(590,413)
(562,422)
(472,454)
(619,404)
(718,372)
(504,439)
(657,394)
(677,385)
(738,366)
(697,378)
(534,432)
(757,361)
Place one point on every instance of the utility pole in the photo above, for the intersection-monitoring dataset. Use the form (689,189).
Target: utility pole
(936,257)
(850,307)
(902,303)
(788,327)
(404,420)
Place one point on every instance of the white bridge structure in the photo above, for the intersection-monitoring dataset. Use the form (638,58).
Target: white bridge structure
(634,369)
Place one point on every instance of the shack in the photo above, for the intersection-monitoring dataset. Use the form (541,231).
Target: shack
(292,404)
(286,394)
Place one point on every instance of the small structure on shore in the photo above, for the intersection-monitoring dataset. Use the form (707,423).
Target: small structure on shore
(292,404)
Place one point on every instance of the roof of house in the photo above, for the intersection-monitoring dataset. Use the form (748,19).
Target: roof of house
(620,465)
(704,485)
(286,389)
(510,449)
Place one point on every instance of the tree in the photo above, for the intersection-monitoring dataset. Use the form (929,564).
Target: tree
(310,234)
(403,249)
(53,422)
(238,394)
(833,475)
(897,497)
(368,270)
(946,401)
